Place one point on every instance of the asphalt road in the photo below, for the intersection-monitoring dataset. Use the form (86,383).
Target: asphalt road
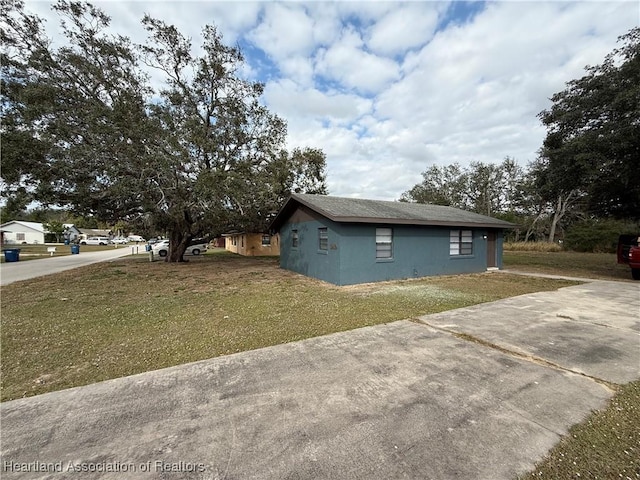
(24,270)
(411,399)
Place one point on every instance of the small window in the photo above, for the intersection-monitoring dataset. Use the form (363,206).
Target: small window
(323,239)
(294,238)
(384,243)
(460,242)
(20,237)
(266,240)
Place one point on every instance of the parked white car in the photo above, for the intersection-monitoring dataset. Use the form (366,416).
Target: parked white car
(162,248)
(95,241)
(119,240)
(136,238)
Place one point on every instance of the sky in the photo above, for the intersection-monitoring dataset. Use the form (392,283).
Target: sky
(388,89)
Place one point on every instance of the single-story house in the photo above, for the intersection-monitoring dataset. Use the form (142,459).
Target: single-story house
(252,244)
(94,232)
(71,232)
(347,241)
(19,232)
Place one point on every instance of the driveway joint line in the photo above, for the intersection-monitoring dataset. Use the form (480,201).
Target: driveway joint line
(528,357)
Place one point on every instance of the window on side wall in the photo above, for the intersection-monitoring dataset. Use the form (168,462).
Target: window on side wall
(20,237)
(294,238)
(266,240)
(384,243)
(323,239)
(460,242)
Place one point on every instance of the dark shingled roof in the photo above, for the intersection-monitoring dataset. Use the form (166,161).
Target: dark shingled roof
(357,210)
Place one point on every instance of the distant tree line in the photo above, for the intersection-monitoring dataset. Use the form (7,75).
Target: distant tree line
(587,173)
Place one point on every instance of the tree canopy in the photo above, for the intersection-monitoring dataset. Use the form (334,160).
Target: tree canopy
(84,127)
(483,188)
(592,147)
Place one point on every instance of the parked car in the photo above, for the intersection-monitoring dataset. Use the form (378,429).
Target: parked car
(161,248)
(119,240)
(629,253)
(136,238)
(95,241)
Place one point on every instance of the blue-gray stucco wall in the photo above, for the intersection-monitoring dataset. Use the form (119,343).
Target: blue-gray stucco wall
(350,259)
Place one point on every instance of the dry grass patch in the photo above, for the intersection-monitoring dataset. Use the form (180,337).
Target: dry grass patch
(601,266)
(533,246)
(129,316)
(605,446)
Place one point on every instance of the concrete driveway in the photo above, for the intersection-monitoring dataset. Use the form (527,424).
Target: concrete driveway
(410,399)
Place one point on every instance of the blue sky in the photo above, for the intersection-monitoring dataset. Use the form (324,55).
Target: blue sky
(387,89)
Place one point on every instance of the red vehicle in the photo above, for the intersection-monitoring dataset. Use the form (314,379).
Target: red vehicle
(629,253)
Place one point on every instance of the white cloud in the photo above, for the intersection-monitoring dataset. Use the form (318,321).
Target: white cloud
(285,29)
(409,26)
(298,103)
(347,62)
(386,89)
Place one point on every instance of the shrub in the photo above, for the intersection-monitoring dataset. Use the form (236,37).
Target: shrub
(598,235)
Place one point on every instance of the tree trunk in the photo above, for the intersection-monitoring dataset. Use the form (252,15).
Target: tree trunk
(178,243)
(532,226)
(557,215)
(560,210)
(179,237)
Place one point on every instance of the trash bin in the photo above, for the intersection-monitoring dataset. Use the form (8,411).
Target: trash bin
(66,241)
(147,248)
(11,254)
(75,249)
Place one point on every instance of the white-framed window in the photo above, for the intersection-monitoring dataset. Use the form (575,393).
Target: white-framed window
(294,238)
(266,240)
(20,236)
(323,239)
(460,242)
(384,243)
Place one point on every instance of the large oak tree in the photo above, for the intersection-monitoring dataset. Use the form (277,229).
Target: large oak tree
(83,127)
(591,153)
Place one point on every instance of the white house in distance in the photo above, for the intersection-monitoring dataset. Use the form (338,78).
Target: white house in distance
(19,232)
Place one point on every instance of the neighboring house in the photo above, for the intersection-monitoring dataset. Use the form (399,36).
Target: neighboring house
(71,232)
(347,241)
(19,232)
(85,233)
(219,242)
(252,244)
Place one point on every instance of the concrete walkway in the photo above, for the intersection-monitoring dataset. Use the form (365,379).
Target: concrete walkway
(25,270)
(411,399)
